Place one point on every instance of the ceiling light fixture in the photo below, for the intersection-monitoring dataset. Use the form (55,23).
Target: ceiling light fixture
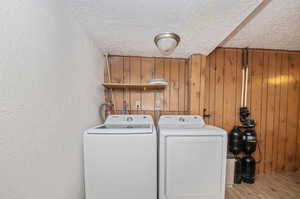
(166,42)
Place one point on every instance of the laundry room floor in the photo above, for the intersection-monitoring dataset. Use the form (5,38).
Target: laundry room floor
(272,186)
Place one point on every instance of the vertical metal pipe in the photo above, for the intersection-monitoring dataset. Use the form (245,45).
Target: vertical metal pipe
(243,87)
(246,87)
(244,77)
(109,79)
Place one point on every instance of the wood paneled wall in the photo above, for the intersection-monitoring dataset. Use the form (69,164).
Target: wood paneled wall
(214,83)
(131,69)
(273,99)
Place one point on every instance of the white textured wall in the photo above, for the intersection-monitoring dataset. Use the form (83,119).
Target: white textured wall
(49,93)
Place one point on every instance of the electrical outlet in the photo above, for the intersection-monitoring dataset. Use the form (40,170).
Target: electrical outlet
(137,104)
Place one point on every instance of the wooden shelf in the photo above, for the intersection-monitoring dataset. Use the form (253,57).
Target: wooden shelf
(135,86)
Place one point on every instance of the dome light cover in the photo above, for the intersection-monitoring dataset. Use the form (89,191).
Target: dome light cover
(166,42)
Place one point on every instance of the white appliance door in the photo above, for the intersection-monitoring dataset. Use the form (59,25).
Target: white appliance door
(193,167)
(120,166)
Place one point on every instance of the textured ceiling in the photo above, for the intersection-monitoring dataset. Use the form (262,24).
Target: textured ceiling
(275,26)
(128,27)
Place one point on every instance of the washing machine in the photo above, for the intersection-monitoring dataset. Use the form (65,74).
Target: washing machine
(192,158)
(120,158)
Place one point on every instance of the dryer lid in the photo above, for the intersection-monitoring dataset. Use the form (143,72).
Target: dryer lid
(181,121)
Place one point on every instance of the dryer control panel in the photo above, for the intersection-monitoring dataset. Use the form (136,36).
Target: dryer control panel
(181,121)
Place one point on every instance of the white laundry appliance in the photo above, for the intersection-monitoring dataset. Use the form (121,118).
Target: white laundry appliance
(192,158)
(120,158)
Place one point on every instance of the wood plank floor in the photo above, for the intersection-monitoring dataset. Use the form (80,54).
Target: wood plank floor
(272,186)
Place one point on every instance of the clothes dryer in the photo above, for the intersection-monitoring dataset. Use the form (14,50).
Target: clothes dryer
(192,158)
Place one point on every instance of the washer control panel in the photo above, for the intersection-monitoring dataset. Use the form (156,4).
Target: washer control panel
(128,121)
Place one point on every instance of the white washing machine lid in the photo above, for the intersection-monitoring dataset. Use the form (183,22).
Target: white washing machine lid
(125,124)
(181,122)
(118,131)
